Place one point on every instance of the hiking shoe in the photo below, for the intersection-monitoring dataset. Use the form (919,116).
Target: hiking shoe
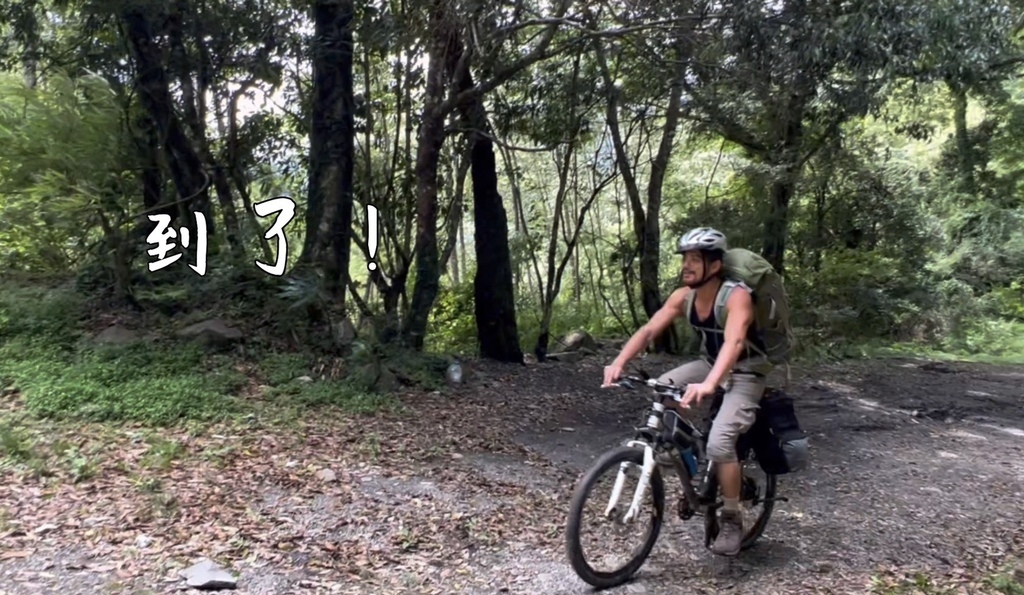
(730,533)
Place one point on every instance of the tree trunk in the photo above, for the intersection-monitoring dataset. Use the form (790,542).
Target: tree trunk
(449,260)
(776,225)
(621,156)
(342,13)
(30,62)
(519,215)
(494,294)
(549,291)
(431,139)
(332,145)
(646,223)
(965,161)
(435,110)
(154,93)
(152,178)
(552,287)
(820,198)
(495,306)
(650,253)
(194,111)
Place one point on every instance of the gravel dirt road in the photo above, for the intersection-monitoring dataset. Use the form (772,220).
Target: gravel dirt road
(915,467)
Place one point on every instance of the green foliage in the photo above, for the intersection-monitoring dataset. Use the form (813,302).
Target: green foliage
(40,312)
(991,340)
(294,381)
(452,326)
(883,242)
(104,383)
(1007,302)
(1006,582)
(60,374)
(856,294)
(282,368)
(64,163)
(346,395)
(919,583)
(567,316)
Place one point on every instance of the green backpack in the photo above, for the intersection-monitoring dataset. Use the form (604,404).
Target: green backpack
(771,305)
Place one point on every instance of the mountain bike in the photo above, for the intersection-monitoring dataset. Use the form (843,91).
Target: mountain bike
(666,435)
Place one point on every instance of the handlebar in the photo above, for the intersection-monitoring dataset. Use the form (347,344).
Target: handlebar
(672,390)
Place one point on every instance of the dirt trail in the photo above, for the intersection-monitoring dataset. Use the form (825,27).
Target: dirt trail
(913,468)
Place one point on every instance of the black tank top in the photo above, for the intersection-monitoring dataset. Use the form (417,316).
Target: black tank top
(714,337)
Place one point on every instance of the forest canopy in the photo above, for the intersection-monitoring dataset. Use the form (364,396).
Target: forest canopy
(532,163)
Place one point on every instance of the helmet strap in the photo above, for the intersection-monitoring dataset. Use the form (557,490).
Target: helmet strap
(707,277)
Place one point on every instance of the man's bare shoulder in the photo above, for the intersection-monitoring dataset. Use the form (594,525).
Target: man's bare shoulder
(677,300)
(739,298)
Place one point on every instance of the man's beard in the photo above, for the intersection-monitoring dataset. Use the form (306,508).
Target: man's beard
(699,281)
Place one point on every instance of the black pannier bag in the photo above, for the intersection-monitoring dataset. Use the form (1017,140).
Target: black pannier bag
(776,438)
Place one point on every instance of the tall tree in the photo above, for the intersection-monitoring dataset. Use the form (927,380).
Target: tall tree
(443,96)
(647,218)
(780,79)
(493,291)
(186,167)
(331,145)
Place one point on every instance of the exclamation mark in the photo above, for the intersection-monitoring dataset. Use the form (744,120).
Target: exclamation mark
(371,235)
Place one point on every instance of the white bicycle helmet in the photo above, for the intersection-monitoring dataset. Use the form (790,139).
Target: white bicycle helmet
(702,238)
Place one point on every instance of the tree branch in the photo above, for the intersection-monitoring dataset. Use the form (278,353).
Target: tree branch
(537,54)
(465,129)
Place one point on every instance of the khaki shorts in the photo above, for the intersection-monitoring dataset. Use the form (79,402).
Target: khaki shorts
(739,407)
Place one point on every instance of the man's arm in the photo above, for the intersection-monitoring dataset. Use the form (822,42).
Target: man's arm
(740,309)
(672,309)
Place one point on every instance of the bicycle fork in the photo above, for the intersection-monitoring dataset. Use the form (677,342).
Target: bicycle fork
(641,489)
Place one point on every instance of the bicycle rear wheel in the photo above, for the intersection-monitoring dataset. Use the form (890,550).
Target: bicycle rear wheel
(611,461)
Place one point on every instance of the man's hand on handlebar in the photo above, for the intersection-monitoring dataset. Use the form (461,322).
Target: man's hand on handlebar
(612,373)
(695,393)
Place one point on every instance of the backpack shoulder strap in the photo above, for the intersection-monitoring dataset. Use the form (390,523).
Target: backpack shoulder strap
(688,305)
(723,296)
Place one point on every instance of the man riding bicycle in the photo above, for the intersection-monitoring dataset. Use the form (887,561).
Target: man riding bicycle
(728,362)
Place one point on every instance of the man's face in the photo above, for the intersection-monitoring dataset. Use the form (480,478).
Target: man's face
(693,268)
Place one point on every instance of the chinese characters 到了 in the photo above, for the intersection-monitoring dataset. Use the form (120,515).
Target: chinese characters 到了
(163,235)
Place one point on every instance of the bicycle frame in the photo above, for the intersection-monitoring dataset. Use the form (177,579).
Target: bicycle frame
(650,438)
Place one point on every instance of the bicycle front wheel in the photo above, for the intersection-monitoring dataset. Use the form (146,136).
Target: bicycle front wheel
(625,460)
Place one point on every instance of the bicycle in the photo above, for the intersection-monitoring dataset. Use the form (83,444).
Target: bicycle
(665,432)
